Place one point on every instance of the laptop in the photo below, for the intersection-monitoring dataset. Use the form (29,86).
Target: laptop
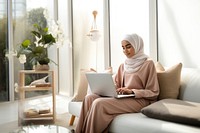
(102,84)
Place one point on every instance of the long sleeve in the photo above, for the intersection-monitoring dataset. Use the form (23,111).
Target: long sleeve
(149,78)
(144,82)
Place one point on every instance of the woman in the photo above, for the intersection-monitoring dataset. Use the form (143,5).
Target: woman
(136,75)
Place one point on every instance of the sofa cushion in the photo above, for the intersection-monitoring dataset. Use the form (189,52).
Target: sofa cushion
(190,85)
(83,85)
(169,80)
(174,110)
(139,123)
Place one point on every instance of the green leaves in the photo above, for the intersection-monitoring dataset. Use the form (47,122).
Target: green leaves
(26,43)
(36,33)
(44,60)
(45,29)
(35,51)
(43,32)
(48,39)
(38,50)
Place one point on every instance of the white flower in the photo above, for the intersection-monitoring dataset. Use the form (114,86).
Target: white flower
(37,41)
(55,28)
(46,45)
(16,87)
(22,58)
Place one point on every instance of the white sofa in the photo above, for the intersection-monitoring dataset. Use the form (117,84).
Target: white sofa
(140,123)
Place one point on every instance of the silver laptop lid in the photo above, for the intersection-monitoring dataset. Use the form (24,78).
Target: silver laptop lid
(101,84)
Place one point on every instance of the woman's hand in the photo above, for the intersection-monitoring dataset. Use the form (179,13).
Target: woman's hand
(124,90)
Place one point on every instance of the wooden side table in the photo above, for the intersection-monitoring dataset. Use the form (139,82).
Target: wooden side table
(23,114)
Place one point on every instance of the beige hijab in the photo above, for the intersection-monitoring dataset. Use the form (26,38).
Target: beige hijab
(135,62)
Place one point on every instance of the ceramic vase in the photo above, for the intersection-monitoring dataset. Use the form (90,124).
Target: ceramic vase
(41,67)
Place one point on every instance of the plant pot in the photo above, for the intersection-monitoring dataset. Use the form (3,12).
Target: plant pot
(41,67)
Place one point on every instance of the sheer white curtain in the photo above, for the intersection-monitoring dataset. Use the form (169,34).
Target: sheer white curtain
(87,53)
(65,71)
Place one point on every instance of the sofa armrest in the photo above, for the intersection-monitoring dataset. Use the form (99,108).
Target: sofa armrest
(74,108)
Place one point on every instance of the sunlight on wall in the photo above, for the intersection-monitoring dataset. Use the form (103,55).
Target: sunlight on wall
(83,46)
(178,32)
(84,50)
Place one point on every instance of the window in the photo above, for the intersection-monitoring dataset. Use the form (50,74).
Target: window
(18,16)
(4,73)
(127,16)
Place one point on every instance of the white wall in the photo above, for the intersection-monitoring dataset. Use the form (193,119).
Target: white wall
(179,32)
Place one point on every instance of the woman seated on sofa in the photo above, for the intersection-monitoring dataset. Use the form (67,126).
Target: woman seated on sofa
(136,75)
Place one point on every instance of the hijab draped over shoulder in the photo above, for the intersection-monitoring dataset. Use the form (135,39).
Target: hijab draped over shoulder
(135,62)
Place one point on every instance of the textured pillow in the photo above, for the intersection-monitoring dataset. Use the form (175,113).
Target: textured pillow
(83,84)
(159,67)
(175,111)
(169,80)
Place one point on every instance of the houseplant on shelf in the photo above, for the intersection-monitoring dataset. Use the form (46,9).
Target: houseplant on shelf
(36,51)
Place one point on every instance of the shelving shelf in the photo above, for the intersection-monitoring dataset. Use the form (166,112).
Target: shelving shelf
(23,88)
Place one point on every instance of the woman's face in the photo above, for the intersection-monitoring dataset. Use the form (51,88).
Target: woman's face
(128,49)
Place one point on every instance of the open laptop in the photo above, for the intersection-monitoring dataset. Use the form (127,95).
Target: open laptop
(102,84)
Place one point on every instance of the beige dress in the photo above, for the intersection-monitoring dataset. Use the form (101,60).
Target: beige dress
(98,112)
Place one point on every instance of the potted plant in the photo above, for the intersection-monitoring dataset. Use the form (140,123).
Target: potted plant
(35,52)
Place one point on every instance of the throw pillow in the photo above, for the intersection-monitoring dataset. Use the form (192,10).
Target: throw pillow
(83,84)
(169,80)
(174,110)
(159,67)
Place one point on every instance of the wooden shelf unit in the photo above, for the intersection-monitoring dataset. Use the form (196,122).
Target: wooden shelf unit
(26,88)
